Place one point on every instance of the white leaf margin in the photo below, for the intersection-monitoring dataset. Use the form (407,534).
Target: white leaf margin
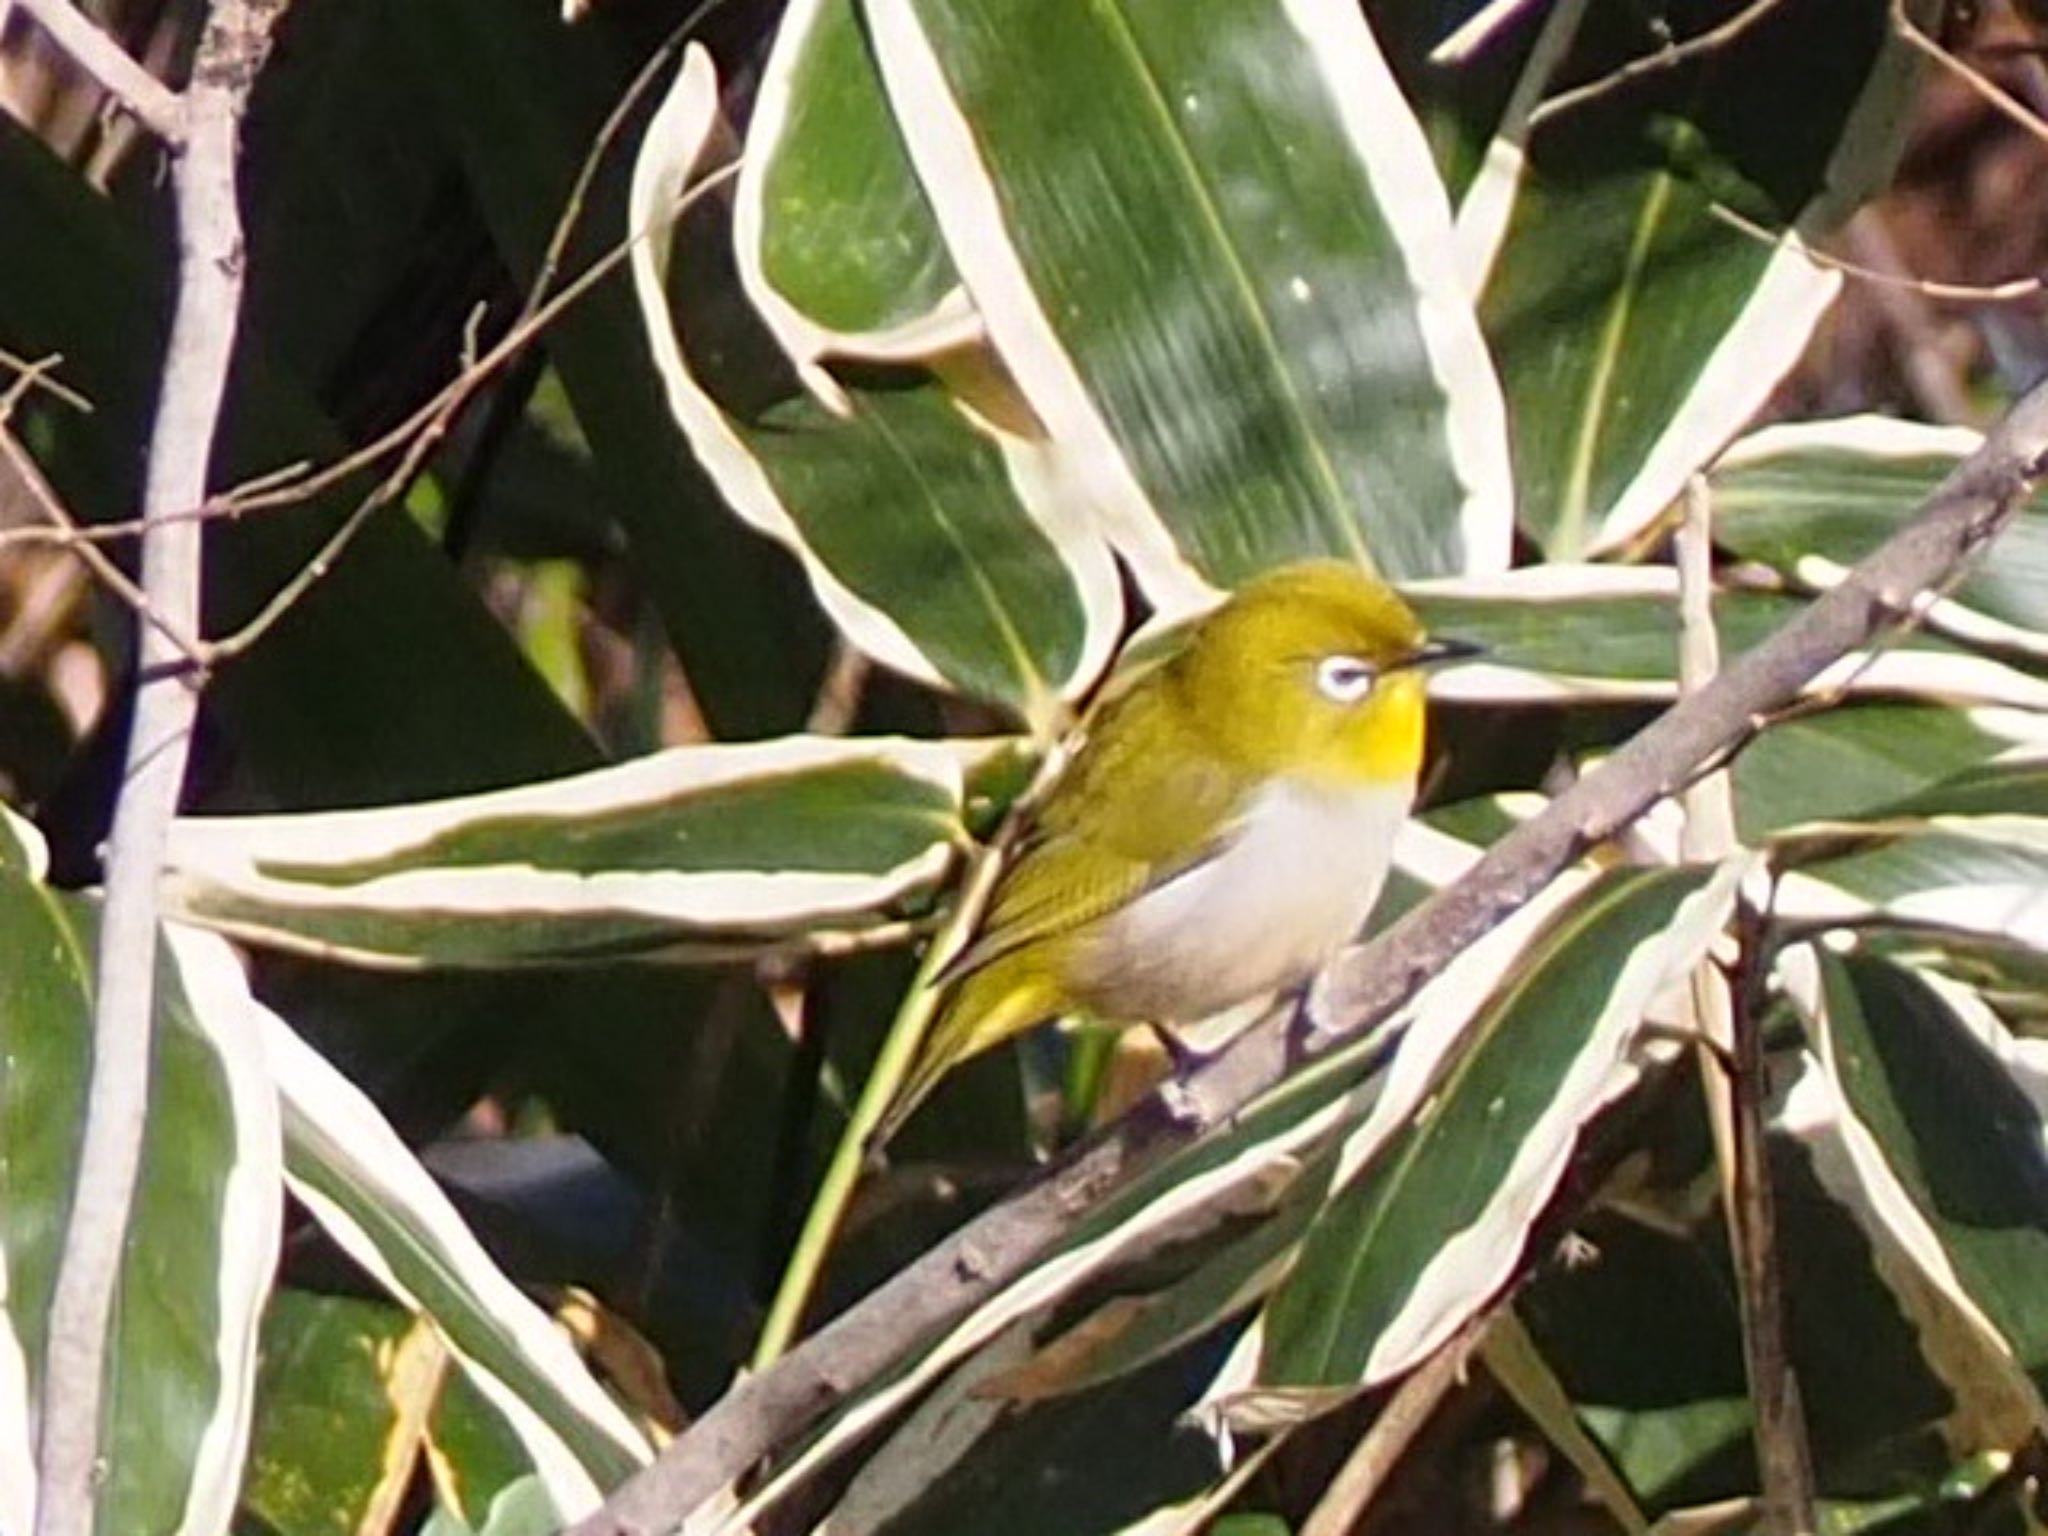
(1851,1166)
(252,1215)
(1395,158)
(225,852)
(327,1117)
(675,143)
(1472,1264)
(953,321)
(1960,678)
(670,153)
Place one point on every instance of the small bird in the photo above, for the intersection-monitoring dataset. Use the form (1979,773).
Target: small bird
(1220,830)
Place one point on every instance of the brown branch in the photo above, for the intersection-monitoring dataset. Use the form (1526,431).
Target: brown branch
(760,1414)
(231,50)
(1372,1461)
(139,93)
(1784,1460)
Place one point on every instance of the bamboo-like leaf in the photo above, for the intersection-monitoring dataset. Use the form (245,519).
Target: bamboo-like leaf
(1969,853)
(1927,1119)
(1637,330)
(1812,498)
(720,845)
(1434,1219)
(349,1168)
(203,1232)
(835,243)
(952,548)
(1564,633)
(354,1395)
(1245,324)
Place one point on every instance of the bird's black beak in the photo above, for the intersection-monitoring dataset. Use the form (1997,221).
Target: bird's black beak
(1445,648)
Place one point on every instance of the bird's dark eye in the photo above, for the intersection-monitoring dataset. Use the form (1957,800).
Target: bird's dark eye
(1344,679)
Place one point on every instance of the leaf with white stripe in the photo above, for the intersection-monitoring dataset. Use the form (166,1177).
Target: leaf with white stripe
(836,246)
(1969,853)
(1245,324)
(1636,330)
(1811,499)
(1568,633)
(353,1393)
(949,546)
(1931,1118)
(1433,1220)
(717,847)
(203,1233)
(348,1167)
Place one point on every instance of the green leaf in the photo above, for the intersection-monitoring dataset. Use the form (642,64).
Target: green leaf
(1636,331)
(202,1234)
(1937,1115)
(1859,760)
(348,1167)
(1811,499)
(716,846)
(946,545)
(1426,1225)
(1585,633)
(1245,323)
(834,239)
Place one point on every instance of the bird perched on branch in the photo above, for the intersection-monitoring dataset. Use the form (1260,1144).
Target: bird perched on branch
(1220,829)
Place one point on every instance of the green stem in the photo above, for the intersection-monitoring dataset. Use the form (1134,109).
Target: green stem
(828,1208)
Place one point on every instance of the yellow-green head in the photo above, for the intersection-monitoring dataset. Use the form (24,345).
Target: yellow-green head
(1311,670)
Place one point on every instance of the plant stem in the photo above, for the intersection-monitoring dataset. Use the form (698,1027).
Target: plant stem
(828,1208)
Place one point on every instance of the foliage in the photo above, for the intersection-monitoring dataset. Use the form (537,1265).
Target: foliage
(1014,335)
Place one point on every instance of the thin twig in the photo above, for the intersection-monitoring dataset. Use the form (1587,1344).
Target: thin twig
(1731,1076)
(1783,1457)
(762,1412)
(1996,95)
(134,89)
(2010,291)
(421,434)
(1669,56)
(1365,1471)
(231,50)
(66,532)
(38,375)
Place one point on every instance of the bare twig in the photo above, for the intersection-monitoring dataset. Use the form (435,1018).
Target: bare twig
(2008,292)
(231,50)
(37,374)
(1668,57)
(66,532)
(1994,94)
(421,433)
(762,1412)
(1731,1077)
(1783,1456)
(134,89)
(1365,1471)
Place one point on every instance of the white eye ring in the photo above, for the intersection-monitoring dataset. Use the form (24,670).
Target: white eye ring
(1344,679)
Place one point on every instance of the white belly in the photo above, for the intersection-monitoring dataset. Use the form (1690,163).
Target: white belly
(1296,881)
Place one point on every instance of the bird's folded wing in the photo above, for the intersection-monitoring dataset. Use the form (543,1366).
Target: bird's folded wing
(1135,813)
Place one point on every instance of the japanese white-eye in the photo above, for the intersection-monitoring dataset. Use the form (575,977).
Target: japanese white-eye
(1220,829)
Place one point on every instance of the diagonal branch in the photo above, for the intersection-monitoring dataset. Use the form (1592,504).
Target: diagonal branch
(153,104)
(760,1414)
(195,371)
